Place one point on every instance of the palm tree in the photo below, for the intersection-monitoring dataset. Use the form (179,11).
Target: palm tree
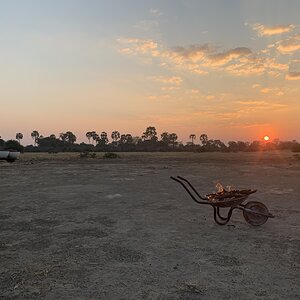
(19,136)
(103,138)
(115,135)
(95,136)
(89,135)
(150,134)
(203,139)
(71,137)
(192,137)
(63,137)
(129,138)
(165,138)
(35,135)
(123,139)
(173,139)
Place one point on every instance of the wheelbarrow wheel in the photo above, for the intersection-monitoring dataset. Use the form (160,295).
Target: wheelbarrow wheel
(255,213)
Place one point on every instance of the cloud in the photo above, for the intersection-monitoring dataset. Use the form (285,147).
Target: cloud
(172,83)
(194,53)
(206,54)
(202,59)
(194,91)
(155,12)
(152,98)
(256,85)
(139,46)
(169,88)
(289,45)
(199,59)
(264,30)
(296,61)
(265,90)
(262,105)
(147,25)
(250,125)
(273,65)
(246,69)
(220,59)
(293,76)
(210,97)
(176,80)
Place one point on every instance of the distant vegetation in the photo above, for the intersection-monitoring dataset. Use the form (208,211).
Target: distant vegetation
(148,142)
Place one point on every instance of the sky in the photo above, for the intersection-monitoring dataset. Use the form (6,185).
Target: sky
(229,69)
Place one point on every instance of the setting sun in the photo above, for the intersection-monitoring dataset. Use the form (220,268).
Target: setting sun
(266,138)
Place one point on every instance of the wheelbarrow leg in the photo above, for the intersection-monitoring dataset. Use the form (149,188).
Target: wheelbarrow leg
(219,215)
(223,220)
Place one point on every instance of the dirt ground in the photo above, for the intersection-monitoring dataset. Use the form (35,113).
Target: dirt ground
(77,228)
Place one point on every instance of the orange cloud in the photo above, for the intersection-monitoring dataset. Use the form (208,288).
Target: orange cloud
(264,30)
(265,90)
(194,53)
(139,46)
(256,85)
(293,76)
(241,69)
(200,59)
(262,105)
(289,45)
(220,59)
(169,88)
(176,80)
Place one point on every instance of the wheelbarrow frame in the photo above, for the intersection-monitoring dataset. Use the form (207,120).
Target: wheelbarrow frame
(232,204)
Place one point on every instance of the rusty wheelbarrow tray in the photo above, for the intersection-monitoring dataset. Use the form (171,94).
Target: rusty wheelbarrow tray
(254,212)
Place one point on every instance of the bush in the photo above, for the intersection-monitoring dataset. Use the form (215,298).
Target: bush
(296,148)
(87,154)
(13,145)
(110,155)
(31,148)
(83,154)
(2,143)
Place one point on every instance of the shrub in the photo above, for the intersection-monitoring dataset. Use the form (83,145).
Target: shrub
(296,148)
(2,144)
(83,154)
(87,154)
(110,155)
(13,145)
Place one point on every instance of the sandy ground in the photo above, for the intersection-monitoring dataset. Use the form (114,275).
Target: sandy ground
(74,228)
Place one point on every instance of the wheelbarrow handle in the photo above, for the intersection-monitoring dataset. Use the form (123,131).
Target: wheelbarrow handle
(189,192)
(192,188)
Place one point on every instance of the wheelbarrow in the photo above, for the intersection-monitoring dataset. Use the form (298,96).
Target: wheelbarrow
(254,212)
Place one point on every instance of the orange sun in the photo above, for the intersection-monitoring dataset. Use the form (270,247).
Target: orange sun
(266,138)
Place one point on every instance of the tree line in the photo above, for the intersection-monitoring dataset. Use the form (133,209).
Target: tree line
(149,141)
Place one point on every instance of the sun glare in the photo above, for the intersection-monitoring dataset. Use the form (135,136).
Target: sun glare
(266,138)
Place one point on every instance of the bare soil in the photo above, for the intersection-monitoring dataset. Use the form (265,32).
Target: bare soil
(77,228)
